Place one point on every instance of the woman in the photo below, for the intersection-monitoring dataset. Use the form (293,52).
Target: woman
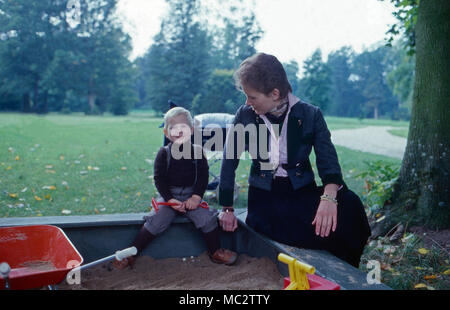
(284,202)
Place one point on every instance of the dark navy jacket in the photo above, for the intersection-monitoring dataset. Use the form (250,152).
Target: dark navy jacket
(306,129)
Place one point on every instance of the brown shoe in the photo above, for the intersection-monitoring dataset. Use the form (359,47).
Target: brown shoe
(124,263)
(224,256)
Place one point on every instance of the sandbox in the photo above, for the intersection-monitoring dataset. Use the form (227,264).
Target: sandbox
(189,273)
(161,265)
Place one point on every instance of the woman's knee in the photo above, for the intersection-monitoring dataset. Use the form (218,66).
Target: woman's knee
(348,196)
(349,202)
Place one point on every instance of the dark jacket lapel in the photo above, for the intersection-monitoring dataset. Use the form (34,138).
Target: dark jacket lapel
(294,133)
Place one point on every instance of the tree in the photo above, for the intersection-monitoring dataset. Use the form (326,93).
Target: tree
(142,67)
(406,14)
(193,42)
(315,85)
(179,59)
(219,95)
(346,100)
(28,45)
(103,49)
(422,189)
(400,79)
(236,39)
(369,69)
(292,69)
(56,57)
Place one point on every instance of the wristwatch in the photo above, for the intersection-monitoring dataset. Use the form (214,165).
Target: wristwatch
(229,209)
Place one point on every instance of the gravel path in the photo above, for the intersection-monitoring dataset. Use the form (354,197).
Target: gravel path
(371,139)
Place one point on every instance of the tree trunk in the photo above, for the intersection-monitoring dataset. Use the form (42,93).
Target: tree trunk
(91,100)
(91,96)
(421,193)
(26,103)
(44,108)
(35,96)
(375,112)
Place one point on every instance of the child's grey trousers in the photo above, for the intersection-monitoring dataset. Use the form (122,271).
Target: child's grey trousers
(203,219)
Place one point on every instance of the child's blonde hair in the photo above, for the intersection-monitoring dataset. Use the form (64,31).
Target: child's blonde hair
(175,112)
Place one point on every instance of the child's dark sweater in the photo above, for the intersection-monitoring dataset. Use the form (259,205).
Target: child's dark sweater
(181,173)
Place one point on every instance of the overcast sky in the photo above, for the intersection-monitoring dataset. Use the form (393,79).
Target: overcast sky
(293,28)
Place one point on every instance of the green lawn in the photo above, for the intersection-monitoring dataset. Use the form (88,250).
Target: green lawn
(401,132)
(349,123)
(76,164)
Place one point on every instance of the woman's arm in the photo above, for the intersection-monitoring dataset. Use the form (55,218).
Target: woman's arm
(331,190)
(330,174)
(230,162)
(326,157)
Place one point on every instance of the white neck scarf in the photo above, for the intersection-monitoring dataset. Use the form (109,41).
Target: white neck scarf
(278,144)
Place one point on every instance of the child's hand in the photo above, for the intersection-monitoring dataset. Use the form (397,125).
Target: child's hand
(179,207)
(193,202)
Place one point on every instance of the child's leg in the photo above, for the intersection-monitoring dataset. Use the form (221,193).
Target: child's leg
(206,221)
(203,219)
(212,240)
(155,223)
(143,238)
(159,221)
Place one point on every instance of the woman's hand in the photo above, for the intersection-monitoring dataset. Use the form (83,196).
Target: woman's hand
(179,205)
(192,203)
(228,221)
(326,218)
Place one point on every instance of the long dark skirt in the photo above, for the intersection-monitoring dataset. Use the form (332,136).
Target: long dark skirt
(285,215)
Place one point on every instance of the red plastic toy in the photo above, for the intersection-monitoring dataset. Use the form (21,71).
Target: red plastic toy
(156,204)
(316,283)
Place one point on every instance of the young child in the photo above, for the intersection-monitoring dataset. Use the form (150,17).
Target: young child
(182,180)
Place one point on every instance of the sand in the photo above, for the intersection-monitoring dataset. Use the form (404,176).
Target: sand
(191,273)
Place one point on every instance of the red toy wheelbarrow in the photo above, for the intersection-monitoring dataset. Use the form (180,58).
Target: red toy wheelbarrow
(156,204)
(40,255)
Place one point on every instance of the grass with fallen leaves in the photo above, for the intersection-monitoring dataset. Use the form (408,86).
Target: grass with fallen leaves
(78,165)
(406,264)
(404,259)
